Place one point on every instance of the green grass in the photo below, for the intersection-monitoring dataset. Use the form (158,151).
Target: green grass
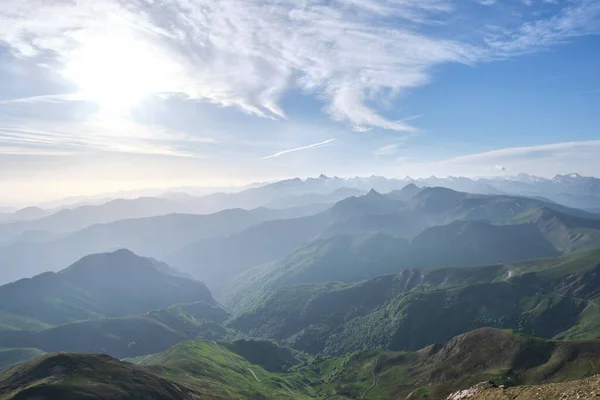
(212,371)
(214,368)
(414,308)
(487,354)
(69,376)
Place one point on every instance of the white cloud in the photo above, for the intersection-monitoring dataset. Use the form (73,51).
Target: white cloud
(387,150)
(542,160)
(310,146)
(353,54)
(578,18)
(243,53)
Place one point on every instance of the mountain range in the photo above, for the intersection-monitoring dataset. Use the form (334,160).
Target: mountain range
(153,236)
(320,288)
(361,237)
(571,190)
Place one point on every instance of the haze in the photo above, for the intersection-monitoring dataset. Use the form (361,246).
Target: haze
(102,96)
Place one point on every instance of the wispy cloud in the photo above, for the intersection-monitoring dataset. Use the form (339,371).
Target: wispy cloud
(310,146)
(387,150)
(577,18)
(28,151)
(49,98)
(542,160)
(487,2)
(352,54)
(35,137)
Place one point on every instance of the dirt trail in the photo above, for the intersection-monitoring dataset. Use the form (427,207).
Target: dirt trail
(254,375)
(227,354)
(233,359)
(374,364)
(286,388)
(144,359)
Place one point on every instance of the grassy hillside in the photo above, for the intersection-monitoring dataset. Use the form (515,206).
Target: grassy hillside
(216,369)
(409,310)
(211,370)
(69,376)
(487,354)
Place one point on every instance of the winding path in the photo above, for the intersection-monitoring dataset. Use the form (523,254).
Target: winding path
(227,354)
(145,358)
(254,375)
(233,359)
(286,388)
(374,364)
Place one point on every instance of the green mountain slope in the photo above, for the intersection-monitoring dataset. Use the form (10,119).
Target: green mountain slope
(358,257)
(216,369)
(566,232)
(489,229)
(101,285)
(436,371)
(115,303)
(409,310)
(209,370)
(74,376)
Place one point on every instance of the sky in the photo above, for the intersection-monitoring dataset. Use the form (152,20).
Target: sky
(108,95)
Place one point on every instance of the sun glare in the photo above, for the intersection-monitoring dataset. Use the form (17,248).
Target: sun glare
(116,71)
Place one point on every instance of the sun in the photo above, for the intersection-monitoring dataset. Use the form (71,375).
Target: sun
(116,71)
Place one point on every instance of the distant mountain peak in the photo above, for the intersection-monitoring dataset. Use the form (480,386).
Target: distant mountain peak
(410,186)
(409,191)
(373,193)
(118,260)
(572,175)
(123,252)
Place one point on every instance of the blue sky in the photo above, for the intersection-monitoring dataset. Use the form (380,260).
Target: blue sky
(111,95)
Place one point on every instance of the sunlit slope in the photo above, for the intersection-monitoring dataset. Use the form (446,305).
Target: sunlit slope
(212,367)
(552,298)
